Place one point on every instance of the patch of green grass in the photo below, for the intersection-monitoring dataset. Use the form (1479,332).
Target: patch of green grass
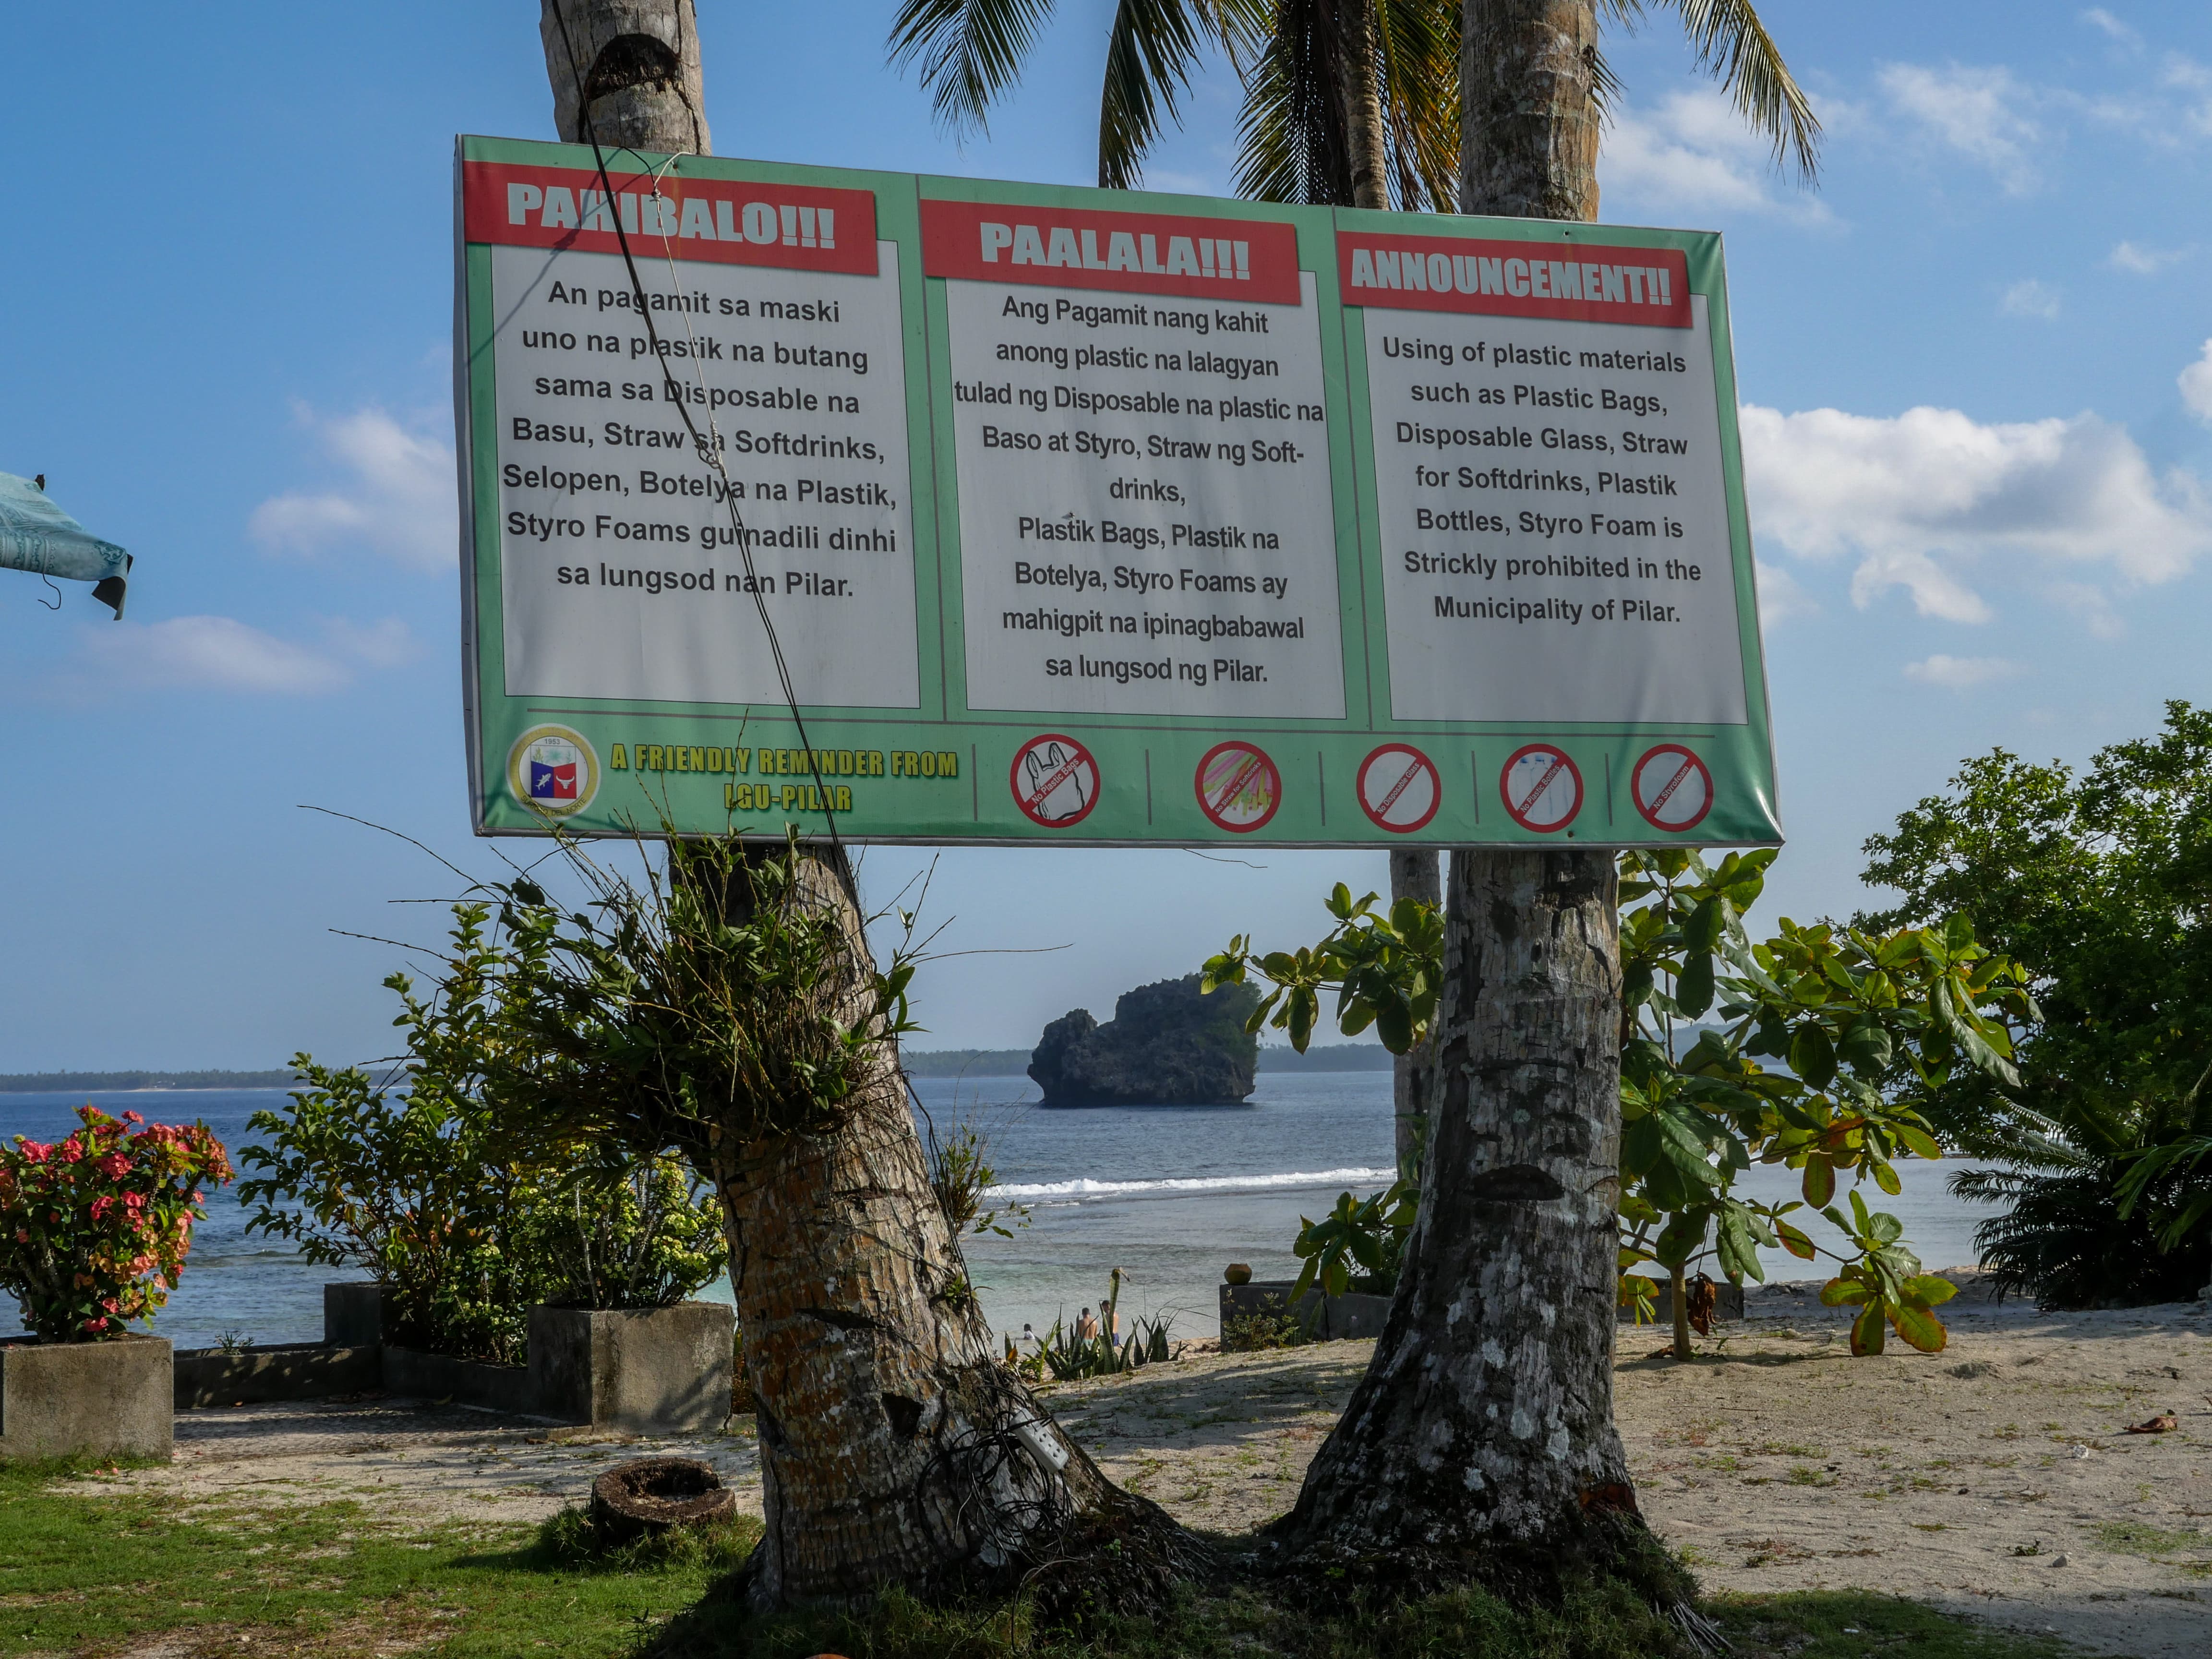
(84,1570)
(1853,1624)
(2141,1538)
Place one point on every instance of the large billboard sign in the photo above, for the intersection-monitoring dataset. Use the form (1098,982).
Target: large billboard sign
(1093,518)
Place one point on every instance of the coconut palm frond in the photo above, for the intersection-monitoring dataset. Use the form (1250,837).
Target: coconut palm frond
(1290,139)
(1733,43)
(1292,142)
(1419,44)
(1150,53)
(969,52)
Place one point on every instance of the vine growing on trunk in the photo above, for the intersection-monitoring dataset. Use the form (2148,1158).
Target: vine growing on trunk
(1849,1019)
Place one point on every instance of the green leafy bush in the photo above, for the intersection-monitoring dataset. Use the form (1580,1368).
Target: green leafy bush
(464,1222)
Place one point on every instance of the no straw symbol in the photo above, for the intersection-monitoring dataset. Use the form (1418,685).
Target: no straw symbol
(1055,780)
(1671,788)
(1238,787)
(1542,787)
(1399,789)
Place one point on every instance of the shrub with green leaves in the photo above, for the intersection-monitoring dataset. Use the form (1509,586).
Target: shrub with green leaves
(464,1221)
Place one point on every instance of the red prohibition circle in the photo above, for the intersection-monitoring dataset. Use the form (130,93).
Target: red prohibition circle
(1676,776)
(1042,769)
(1221,780)
(1561,763)
(1378,811)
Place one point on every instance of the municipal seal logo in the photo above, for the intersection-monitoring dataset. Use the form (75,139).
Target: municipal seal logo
(553,771)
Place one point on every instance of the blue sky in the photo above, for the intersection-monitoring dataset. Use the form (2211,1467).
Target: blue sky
(1978,426)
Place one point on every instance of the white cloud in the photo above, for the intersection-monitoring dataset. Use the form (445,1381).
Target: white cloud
(2143,261)
(2098,17)
(2030,298)
(2196,384)
(1782,596)
(222,654)
(1961,673)
(1693,153)
(1979,113)
(399,500)
(1935,502)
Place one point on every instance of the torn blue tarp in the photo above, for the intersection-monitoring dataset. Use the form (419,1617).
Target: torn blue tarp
(37,536)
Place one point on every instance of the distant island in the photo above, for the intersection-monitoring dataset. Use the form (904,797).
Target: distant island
(1272,1057)
(1167,1044)
(62,1083)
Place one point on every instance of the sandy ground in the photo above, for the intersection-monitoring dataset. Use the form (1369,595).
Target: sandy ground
(1992,1478)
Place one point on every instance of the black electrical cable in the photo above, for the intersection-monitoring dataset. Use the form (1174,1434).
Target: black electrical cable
(708,452)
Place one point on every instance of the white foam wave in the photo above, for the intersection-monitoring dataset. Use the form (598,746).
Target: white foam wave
(1083,1186)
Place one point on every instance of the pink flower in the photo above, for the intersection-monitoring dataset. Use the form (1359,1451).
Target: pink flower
(96,1324)
(116,1166)
(108,1302)
(34,1151)
(133,1117)
(101,1207)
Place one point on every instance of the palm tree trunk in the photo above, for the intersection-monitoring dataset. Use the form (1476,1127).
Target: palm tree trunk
(895,1448)
(1360,86)
(1480,1442)
(1528,130)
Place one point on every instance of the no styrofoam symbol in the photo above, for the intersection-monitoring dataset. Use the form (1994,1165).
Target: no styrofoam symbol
(1399,789)
(1543,789)
(1238,786)
(1055,780)
(1672,788)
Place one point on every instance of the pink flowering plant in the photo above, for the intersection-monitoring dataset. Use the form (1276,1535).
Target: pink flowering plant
(94,1227)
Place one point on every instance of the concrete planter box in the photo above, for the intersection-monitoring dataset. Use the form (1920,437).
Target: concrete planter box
(1323,1318)
(465,1381)
(353,1315)
(290,1371)
(84,1399)
(652,1370)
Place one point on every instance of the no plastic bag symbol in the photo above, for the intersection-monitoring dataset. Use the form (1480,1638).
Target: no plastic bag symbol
(1542,787)
(1671,788)
(1399,789)
(1055,780)
(1238,787)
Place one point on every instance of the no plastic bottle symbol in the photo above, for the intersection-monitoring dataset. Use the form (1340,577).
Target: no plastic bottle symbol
(1238,787)
(1671,788)
(1542,787)
(1399,789)
(1055,780)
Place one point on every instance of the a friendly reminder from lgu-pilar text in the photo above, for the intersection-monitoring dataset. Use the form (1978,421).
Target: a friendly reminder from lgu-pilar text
(1142,451)
(1549,482)
(624,571)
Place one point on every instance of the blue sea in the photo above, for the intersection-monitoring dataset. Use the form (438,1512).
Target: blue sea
(1170,1194)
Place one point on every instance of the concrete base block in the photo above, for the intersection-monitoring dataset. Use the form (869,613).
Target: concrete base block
(465,1381)
(1323,1318)
(290,1371)
(652,1370)
(353,1315)
(85,1399)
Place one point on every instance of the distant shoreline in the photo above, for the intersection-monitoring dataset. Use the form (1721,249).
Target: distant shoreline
(141,1082)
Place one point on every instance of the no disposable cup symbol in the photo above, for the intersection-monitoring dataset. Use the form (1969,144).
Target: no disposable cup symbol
(1055,780)
(1543,789)
(1672,788)
(1399,789)
(1238,786)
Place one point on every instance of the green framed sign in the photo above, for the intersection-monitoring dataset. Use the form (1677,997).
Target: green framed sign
(1084,516)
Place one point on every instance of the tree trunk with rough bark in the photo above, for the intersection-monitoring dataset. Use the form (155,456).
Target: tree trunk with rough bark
(1480,1442)
(894,1448)
(1415,873)
(1366,140)
(635,64)
(1528,130)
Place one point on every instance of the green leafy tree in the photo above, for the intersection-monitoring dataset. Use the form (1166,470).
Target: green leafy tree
(1843,1013)
(2097,881)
